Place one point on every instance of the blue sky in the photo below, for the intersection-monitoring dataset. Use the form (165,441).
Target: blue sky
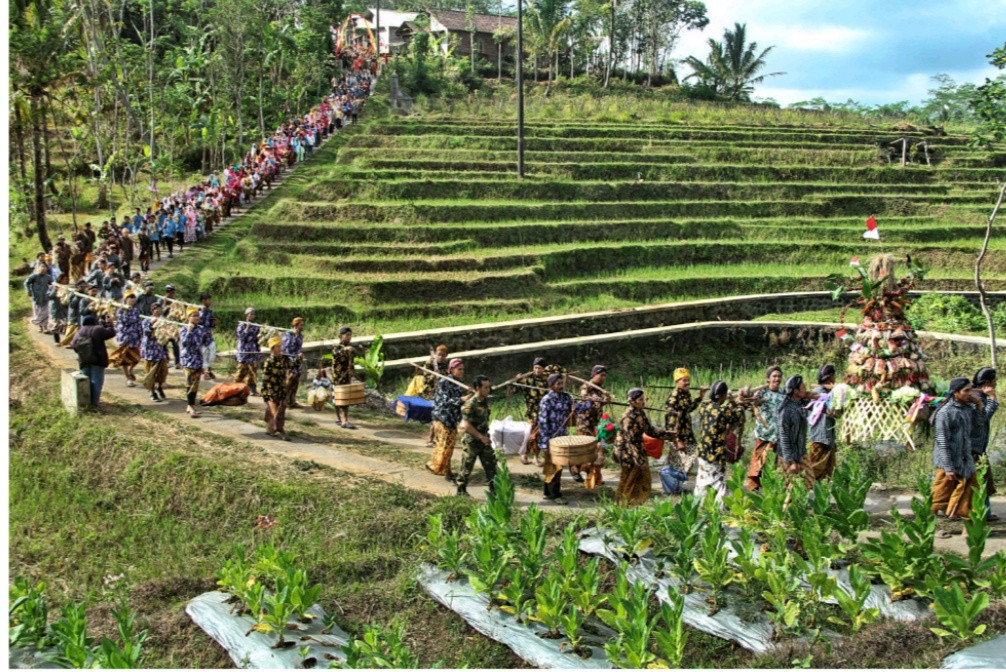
(876,51)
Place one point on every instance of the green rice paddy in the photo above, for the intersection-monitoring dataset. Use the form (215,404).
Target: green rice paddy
(408,223)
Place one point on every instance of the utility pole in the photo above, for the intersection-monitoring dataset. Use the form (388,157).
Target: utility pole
(520,88)
(377,56)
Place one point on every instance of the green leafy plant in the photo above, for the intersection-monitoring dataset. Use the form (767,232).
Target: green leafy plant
(738,501)
(373,362)
(630,618)
(815,568)
(28,615)
(686,526)
(518,593)
(956,613)
(997,577)
(489,557)
(672,638)
(379,648)
(853,605)
(572,621)
(532,541)
(631,535)
(746,560)
(770,503)
(73,647)
(903,558)
(127,654)
(550,602)
(849,491)
(712,562)
(278,613)
(451,555)
(782,589)
(973,570)
(583,589)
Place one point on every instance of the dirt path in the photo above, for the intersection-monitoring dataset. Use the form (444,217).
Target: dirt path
(321,441)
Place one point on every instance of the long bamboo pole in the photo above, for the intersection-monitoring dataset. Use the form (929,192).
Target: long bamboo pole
(616,403)
(264,326)
(116,304)
(440,375)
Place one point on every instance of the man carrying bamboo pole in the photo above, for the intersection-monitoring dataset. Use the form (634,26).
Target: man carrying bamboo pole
(476,443)
(952,453)
(535,386)
(248,351)
(155,358)
(447,401)
(678,418)
(768,402)
(593,396)
(274,373)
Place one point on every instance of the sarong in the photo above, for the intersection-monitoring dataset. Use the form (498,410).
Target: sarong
(822,461)
(634,485)
(443,448)
(953,497)
(124,356)
(156,373)
(758,457)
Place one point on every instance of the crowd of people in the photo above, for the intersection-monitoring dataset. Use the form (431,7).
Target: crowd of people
(793,424)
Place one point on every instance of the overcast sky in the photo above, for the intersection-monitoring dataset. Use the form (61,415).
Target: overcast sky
(873,51)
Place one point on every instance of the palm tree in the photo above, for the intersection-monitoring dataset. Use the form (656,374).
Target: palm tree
(547,21)
(732,67)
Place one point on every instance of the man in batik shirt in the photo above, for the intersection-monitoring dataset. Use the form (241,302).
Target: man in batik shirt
(555,412)
(447,402)
(248,351)
(588,413)
(274,373)
(634,483)
(155,358)
(536,387)
(678,418)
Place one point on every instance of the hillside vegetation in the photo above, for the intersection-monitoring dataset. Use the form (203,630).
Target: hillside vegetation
(422,221)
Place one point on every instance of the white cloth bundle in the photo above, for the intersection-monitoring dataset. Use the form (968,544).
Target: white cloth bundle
(509,435)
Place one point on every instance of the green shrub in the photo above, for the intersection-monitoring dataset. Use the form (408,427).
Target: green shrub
(946,312)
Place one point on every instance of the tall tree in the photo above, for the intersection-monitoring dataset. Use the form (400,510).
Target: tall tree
(733,66)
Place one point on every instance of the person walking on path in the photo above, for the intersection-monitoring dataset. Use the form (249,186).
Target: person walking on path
(36,286)
(984,391)
(274,373)
(953,455)
(476,443)
(92,354)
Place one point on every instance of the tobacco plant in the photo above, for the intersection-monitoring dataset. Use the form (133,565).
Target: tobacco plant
(853,605)
(532,542)
(490,556)
(904,558)
(849,490)
(956,613)
(28,615)
(712,563)
(278,612)
(451,555)
(550,602)
(770,502)
(572,621)
(518,593)
(746,560)
(379,648)
(128,653)
(631,535)
(630,618)
(583,592)
(73,647)
(997,577)
(738,501)
(672,638)
(972,570)
(687,526)
(500,499)
(782,589)
(816,568)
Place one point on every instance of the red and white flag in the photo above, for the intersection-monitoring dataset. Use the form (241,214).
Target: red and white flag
(854,261)
(871,229)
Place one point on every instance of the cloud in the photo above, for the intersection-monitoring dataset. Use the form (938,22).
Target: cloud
(831,39)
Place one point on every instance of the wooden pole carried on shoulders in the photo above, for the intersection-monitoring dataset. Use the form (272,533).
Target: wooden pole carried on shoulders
(440,375)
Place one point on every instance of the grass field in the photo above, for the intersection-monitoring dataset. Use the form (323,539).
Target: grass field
(417,222)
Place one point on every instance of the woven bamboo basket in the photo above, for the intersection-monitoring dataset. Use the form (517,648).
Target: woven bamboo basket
(866,421)
(571,450)
(351,394)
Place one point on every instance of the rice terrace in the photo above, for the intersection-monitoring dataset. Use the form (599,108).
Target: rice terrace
(541,334)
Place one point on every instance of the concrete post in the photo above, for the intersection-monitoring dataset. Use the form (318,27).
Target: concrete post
(75,390)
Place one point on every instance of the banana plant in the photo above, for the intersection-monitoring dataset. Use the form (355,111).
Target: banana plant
(956,613)
(373,362)
(712,563)
(672,638)
(550,603)
(853,605)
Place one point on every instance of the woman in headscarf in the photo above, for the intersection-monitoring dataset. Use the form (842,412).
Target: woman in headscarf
(984,390)
(717,415)
(767,402)
(555,414)
(635,481)
(822,427)
(437,362)
(792,431)
(678,417)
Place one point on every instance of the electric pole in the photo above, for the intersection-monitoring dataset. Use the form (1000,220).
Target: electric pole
(520,88)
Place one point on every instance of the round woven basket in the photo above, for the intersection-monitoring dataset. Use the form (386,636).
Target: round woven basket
(572,450)
(351,394)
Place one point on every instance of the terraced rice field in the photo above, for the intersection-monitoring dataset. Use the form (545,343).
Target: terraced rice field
(415,223)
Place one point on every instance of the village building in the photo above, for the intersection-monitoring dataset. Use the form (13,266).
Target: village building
(456,25)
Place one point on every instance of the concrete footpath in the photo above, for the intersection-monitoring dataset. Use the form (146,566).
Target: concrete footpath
(390,432)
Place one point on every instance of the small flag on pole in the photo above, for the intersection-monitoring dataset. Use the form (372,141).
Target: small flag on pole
(871,229)
(854,261)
